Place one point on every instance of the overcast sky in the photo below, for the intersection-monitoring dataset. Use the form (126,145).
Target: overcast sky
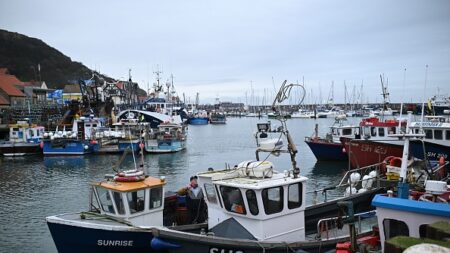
(223,48)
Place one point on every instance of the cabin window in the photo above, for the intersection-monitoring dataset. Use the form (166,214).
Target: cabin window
(155,197)
(393,228)
(335,132)
(210,193)
(381,132)
(373,131)
(217,192)
(295,195)
(428,134)
(119,202)
(30,133)
(366,131)
(392,130)
(105,200)
(273,200)
(416,131)
(252,202)
(346,131)
(423,230)
(438,134)
(94,125)
(232,199)
(136,201)
(447,134)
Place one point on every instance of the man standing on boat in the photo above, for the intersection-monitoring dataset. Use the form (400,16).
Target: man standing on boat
(195,202)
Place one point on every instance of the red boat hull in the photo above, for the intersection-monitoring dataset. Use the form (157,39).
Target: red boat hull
(365,152)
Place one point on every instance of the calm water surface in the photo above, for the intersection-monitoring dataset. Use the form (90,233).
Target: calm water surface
(32,188)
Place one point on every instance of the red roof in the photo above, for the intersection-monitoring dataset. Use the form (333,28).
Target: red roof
(3,101)
(8,84)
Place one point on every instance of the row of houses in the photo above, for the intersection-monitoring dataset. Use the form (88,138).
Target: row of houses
(14,92)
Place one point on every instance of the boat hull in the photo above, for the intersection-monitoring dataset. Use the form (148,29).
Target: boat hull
(363,153)
(433,151)
(75,239)
(187,242)
(20,149)
(67,147)
(326,151)
(198,121)
(165,147)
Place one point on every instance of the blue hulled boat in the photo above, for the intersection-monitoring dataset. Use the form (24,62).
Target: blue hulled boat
(330,148)
(198,118)
(78,141)
(123,209)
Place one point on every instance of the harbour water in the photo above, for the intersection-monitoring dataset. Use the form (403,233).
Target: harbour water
(32,188)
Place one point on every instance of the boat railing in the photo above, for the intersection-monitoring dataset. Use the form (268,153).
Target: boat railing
(329,225)
(345,181)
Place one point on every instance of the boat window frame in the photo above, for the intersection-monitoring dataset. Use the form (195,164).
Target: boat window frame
(120,205)
(210,192)
(344,130)
(441,136)
(399,231)
(219,196)
(237,206)
(140,204)
(252,202)
(428,134)
(269,206)
(101,202)
(373,131)
(381,132)
(300,196)
(151,202)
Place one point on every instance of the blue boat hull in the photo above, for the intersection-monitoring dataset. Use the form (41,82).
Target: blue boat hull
(433,151)
(167,147)
(198,121)
(327,151)
(67,147)
(74,239)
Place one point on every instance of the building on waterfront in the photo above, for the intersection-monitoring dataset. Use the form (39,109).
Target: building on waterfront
(71,92)
(10,92)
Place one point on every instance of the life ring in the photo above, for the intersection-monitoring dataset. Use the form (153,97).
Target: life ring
(129,178)
(130,173)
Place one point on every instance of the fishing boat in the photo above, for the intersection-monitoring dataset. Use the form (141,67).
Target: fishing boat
(439,104)
(251,207)
(410,212)
(24,139)
(217,118)
(79,140)
(168,138)
(378,143)
(160,106)
(303,114)
(121,136)
(198,117)
(330,148)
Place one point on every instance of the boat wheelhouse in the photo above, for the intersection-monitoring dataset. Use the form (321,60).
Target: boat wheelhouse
(24,139)
(119,219)
(217,118)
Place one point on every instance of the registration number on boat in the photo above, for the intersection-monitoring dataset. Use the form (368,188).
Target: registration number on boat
(220,250)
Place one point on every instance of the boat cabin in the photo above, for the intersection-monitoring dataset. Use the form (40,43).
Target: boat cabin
(409,217)
(436,131)
(141,203)
(171,131)
(255,202)
(24,132)
(373,128)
